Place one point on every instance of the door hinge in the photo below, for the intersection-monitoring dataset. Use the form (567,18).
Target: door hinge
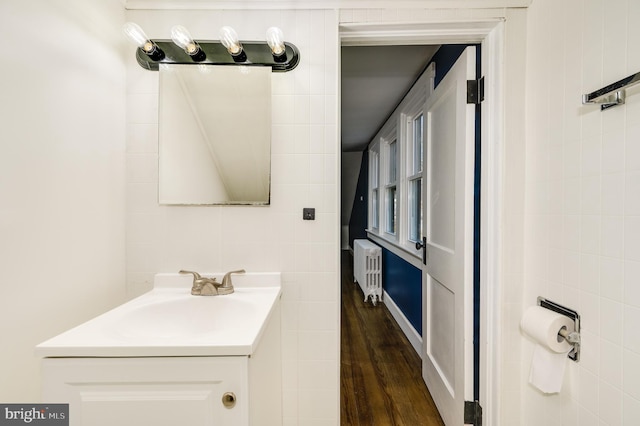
(475,91)
(472,413)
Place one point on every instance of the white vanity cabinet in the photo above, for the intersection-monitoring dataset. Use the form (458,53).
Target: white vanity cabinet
(232,377)
(149,391)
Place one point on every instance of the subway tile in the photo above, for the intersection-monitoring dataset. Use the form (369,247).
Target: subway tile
(632,283)
(613,145)
(590,273)
(570,232)
(301,79)
(632,143)
(571,158)
(611,357)
(590,312)
(614,37)
(316,316)
(632,238)
(591,154)
(318,375)
(590,198)
(282,109)
(630,410)
(301,109)
(590,352)
(613,236)
(571,269)
(587,395)
(591,234)
(290,373)
(317,406)
(283,139)
(631,333)
(613,194)
(142,168)
(142,138)
(318,345)
(631,368)
(611,320)
(612,278)
(632,194)
(316,139)
(144,228)
(610,409)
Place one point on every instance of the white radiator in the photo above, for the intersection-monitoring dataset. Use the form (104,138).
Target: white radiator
(367,269)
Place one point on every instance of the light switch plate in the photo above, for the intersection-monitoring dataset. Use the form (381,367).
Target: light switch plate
(308,213)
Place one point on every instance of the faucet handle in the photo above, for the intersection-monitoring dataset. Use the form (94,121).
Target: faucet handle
(196,276)
(226,280)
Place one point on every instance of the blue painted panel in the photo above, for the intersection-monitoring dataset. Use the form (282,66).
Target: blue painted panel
(403,283)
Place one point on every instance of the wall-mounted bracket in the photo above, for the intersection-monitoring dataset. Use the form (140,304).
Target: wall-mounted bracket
(257,54)
(613,94)
(573,337)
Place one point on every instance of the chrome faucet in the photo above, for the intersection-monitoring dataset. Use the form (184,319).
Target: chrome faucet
(203,286)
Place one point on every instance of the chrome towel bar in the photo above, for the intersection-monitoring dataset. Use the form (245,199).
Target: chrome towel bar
(613,94)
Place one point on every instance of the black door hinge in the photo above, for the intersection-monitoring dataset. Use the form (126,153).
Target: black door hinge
(472,413)
(475,91)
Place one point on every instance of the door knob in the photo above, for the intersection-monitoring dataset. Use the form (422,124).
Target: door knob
(229,399)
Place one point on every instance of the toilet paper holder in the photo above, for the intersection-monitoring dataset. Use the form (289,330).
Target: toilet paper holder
(572,337)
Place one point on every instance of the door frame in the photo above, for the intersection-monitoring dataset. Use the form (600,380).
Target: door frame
(491,34)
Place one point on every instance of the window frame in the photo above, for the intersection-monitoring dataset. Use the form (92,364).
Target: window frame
(399,129)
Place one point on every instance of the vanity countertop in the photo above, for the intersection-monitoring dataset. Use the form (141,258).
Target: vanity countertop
(169,321)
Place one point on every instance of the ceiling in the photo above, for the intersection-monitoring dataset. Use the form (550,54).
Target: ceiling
(374,81)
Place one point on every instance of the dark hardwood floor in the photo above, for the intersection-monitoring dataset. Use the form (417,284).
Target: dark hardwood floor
(380,373)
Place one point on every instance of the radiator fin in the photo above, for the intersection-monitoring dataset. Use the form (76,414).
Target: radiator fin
(367,269)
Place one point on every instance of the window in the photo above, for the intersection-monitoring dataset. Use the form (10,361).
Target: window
(414,179)
(391,201)
(396,171)
(374,181)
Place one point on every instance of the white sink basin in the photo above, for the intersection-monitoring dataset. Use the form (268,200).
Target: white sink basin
(169,321)
(196,316)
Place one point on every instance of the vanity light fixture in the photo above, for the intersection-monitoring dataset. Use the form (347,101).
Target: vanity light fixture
(183,39)
(229,39)
(182,49)
(275,40)
(136,35)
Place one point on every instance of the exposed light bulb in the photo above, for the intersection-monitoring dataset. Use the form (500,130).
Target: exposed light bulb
(183,39)
(275,40)
(229,39)
(137,36)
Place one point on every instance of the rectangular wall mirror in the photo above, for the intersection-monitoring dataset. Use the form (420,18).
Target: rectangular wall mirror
(215,135)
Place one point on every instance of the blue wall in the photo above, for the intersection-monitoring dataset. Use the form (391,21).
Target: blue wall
(403,283)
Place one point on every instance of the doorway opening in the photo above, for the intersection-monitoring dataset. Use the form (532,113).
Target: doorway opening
(489,35)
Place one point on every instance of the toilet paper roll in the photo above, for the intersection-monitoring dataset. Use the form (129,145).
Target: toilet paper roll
(550,355)
(543,325)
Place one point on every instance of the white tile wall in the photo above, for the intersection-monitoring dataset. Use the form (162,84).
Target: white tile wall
(305,149)
(590,230)
(61,176)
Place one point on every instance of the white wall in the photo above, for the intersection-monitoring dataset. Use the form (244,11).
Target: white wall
(62,99)
(305,173)
(350,172)
(582,217)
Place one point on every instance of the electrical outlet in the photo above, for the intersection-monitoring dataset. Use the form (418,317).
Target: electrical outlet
(308,213)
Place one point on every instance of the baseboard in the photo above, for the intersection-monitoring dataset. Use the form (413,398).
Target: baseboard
(414,337)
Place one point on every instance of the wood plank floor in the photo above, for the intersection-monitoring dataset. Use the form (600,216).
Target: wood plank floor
(380,373)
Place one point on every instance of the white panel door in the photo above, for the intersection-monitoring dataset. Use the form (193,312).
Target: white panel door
(447,362)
